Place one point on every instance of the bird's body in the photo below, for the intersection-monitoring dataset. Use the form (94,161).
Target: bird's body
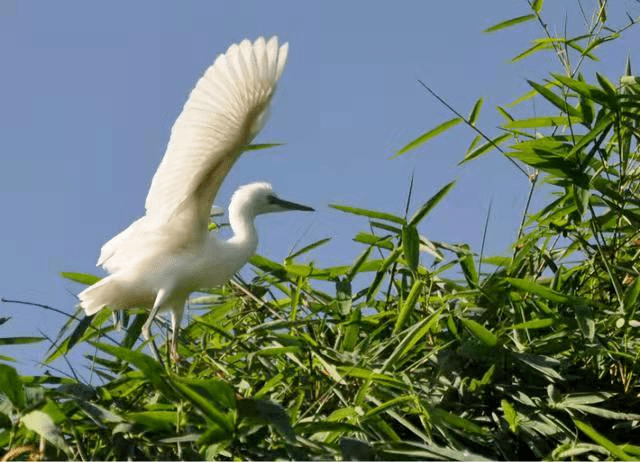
(168,253)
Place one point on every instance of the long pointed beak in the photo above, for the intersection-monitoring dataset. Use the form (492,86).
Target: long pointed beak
(290,205)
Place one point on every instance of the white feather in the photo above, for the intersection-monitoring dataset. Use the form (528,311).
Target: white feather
(168,253)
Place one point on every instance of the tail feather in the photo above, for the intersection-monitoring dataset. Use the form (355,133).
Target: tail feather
(101,294)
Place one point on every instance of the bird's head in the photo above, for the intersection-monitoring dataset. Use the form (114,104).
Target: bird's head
(258,198)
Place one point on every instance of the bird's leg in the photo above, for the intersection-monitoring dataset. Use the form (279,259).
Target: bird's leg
(176,317)
(161,298)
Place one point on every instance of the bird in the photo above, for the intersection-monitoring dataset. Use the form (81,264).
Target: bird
(168,253)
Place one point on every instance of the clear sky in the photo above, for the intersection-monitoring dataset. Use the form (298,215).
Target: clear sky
(89,91)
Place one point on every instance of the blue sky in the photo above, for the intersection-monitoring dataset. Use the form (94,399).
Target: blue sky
(89,91)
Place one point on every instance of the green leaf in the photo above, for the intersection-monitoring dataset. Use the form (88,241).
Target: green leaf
(430,204)
(257,147)
(473,116)
(602,441)
(468,265)
(543,364)
(357,265)
(556,100)
(486,147)
(542,291)
(411,246)
(267,412)
(43,425)
(11,386)
(413,335)
(214,390)
(529,51)
(588,91)
(533,324)
(19,340)
(510,415)
(151,368)
(383,242)
(537,6)
(308,248)
(203,404)
(630,300)
(428,135)
(407,306)
(369,213)
(480,332)
(457,421)
(352,331)
(540,122)
(154,420)
(82,278)
(510,22)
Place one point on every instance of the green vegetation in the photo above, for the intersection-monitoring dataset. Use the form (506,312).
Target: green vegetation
(528,356)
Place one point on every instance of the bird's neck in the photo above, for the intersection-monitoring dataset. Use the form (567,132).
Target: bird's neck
(244,230)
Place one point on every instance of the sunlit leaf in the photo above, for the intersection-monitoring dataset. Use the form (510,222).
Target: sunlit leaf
(510,22)
(428,135)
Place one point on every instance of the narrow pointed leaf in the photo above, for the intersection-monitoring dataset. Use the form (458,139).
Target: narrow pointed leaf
(430,204)
(510,22)
(369,213)
(267,412)
(602,441)
(486,147)
(542,291)
(473,116)
(11,386)
(257,147)
(408,305)
(428,135)
(411,246)
(82,278)
(554,99)
(480,332)
(537,5)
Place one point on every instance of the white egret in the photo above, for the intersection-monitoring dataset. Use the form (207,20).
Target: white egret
(168,253)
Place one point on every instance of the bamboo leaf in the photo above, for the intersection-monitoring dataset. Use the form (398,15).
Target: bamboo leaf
(602,441)
(267,412)
(541,122)
(43,425)
(556,100)
(407,306)
(537,6)
(411,246)
(533,324)
(11,386)
(428,135)
(257,147)
(480,332)
(151,368)
(430,204)
(473,116)
(308,248)
(369,213)
(510,22)
(486,147)
(82,278)
(20,340)
(510,415)
(542,291)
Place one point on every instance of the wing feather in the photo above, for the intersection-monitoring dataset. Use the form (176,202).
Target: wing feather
(224,112)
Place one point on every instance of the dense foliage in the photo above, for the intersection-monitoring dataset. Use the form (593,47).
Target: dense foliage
(527,356)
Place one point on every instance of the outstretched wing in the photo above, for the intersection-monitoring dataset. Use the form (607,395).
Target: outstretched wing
(225,111)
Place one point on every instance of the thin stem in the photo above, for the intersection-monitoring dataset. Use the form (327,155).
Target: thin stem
(489,140)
